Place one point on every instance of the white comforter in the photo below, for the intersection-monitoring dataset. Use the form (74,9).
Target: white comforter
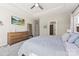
(43,46)
(72,49)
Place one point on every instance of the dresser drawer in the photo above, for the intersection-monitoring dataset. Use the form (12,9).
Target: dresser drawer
(14,37)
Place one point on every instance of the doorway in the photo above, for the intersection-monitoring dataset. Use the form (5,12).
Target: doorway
(52,28)
(29,27)
(36,27)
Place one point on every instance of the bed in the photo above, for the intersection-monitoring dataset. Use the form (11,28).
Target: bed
(50,46)
(72,49)
(43,46)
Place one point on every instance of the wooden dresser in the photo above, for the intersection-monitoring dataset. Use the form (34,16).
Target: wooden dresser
(14,37)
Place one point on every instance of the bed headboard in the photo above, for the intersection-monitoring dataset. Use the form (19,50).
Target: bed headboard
(14,37)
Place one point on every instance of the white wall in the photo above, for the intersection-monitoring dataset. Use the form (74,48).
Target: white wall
(63,23)
(5,16)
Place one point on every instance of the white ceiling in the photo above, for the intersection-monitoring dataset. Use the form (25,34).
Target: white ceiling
(53,7)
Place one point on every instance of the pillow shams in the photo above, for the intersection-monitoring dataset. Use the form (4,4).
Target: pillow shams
(77,42)
(73,37)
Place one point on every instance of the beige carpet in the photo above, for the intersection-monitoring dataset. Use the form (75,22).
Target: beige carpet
(10,50)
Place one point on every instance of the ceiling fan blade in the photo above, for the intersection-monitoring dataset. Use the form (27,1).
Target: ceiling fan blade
(32,6)
(41,7)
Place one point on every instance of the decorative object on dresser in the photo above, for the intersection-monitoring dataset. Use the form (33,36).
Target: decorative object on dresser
(14,37)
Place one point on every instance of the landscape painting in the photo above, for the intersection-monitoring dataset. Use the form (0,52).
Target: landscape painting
(17,20)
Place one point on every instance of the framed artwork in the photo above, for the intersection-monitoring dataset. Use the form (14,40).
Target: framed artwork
(1,23)
(45,26)
(17,21)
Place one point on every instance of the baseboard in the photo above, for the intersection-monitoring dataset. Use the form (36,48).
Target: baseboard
(3,45)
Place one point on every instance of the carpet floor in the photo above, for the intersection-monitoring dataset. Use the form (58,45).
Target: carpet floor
(10,50)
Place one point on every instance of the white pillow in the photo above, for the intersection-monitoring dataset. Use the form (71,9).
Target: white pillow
(65,36)
(73,37)
(77,42)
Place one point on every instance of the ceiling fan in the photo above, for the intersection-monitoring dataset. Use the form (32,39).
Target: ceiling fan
(37,5)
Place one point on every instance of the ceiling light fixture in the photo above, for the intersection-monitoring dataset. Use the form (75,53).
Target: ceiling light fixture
(36,5)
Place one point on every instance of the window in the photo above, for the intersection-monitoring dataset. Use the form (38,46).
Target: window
(78,20)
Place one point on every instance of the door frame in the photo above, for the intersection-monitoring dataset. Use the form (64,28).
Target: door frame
(35,28)
(55,27)
(31,29)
